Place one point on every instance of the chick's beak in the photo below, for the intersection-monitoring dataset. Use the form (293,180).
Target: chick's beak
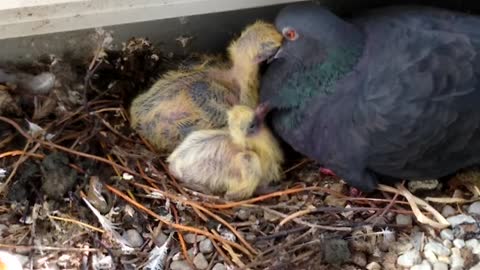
(277,55)
(262,110)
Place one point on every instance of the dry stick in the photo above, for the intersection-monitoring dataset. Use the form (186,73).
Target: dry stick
(414,202)
(220,251)
(228,248)
(208,212)
(182,240)
(20,152)
(115,165)
(173,225)
(22,249)
(77,222)
(301,222)
(180,189)
(261,198)
(295,215)
(22,159)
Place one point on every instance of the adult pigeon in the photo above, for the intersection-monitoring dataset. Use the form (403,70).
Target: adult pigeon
(392,94)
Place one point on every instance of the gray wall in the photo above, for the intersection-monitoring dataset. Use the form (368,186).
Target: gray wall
(210,32)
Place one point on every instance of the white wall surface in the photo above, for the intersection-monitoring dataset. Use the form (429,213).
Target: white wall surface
(20,18)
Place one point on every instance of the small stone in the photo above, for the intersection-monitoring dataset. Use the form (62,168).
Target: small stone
(423,266)
(3,228)
(430,256)
(459,243)
(474,208)
(460,219)
(180,265)
(359,259)
(250,237)
(447,243)
(336,251)
(405,220)
(332,200)
(206,246)
(416,185)
(193,238)
(476,267)
(191,252)
(444,259)
(448,211)
(270,216)
(200,262)
(160,239)
(219,266)
(133,237)
(374,266)
(243,214)
(437,248)
(440,266)
(474,245)
(409,258)
(447,234)
(457,260)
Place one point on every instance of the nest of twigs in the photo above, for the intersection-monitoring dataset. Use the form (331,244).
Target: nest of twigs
(74,145)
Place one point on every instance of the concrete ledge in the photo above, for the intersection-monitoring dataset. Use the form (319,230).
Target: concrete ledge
(35,17)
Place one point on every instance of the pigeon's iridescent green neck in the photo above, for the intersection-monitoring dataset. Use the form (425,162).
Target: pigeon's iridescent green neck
(314,80)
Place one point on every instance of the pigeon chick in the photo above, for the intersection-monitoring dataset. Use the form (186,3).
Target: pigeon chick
(234,161)
(184,101)
(392,94)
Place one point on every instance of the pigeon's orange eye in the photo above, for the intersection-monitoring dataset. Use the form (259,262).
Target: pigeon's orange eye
(290,34)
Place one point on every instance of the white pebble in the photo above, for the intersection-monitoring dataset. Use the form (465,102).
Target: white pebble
(409,258)
(423,266)
(459,243)
(474,245)
(373,266)
(475,267)
(193,238)
(447,234)
(430,256)
(474,208)
(440,266)
(200,262)
(448,211)
(206,246)
(180,265)
(457,260)
(444,259)
(219,266)
(447,243)
(460,219)
(437,248)
(133,237)
(405,220)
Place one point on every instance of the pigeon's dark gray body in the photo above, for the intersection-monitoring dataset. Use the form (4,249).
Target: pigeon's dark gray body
(394,92)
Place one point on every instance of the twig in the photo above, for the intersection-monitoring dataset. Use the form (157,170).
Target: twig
(414,203)
(77,222)
(173,225)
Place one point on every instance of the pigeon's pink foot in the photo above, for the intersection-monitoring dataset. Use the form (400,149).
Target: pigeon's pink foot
(326,171)
(355,192)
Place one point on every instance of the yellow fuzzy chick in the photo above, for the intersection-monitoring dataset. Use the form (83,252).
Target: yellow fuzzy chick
(234,161)
(184,101)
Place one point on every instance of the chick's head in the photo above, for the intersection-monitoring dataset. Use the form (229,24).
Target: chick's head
(258,42)
(244,122)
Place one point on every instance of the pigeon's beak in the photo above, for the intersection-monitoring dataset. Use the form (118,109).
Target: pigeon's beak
(277,55)
(262,110)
